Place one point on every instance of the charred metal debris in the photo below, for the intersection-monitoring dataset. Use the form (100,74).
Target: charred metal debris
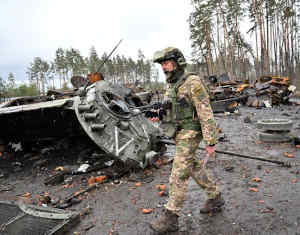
(266,91)
(107,114)
(20,218)
(119,120)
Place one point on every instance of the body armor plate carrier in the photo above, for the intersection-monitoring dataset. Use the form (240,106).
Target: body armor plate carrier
(184,114)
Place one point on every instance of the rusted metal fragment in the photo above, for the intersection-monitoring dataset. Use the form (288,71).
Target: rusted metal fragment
(19,218)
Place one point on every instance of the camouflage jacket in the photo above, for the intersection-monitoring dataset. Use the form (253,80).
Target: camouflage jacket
(192,90)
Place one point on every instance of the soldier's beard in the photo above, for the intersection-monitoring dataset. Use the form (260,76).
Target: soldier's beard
(170,75)
(173,76)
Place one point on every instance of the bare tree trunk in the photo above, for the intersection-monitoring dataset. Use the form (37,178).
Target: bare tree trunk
(209,53)
(38,84)
(256,59)
(267,43)
(219,57)
(42,78)
(226,41)
(264,56)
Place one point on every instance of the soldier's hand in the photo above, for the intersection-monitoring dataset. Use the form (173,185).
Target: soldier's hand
(210,150)
(157,105)
(167,104)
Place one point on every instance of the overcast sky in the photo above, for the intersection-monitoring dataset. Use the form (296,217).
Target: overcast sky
(36,28)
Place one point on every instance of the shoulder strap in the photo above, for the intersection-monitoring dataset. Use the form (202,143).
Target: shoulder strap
(182,80)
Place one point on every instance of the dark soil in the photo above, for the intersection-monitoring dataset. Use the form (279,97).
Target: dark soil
(115,207)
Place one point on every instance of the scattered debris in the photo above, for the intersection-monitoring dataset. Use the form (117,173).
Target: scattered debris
(16,146)
(256,179)
(267,210)
(247,119)
(229,168)
(253,189)
(71,199)
(147,211)
(161,187)
(289,155)
(20,218)
(27,195)
(57,178)
(6,187)
(266,91)
(162,193)
(45,198)
(83,168)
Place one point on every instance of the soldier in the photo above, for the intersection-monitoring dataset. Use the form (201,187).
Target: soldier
(192,119)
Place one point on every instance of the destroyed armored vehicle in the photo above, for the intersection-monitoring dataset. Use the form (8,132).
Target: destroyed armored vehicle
(107,114)
(266,91)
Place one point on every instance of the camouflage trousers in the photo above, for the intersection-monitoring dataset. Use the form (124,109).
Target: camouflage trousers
(185,165)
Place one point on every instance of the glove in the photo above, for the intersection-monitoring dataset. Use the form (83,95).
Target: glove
(167,105)
(161,114)
(157,105)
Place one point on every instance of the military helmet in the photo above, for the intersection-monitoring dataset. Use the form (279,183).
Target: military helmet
(168,54)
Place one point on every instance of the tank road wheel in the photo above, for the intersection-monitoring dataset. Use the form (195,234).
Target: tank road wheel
(107,119)
(275,137)
(275,124)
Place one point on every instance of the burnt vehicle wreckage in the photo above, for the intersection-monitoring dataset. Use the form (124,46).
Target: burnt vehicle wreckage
(116,120)
(114,117)
(266,91)
(108,114)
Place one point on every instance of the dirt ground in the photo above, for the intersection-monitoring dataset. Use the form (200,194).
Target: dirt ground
(271,206)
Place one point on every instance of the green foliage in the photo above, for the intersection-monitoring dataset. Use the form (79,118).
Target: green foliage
(21,90)
(75,62)
(93,60)
(70,62)
(26,90)
(272,27)
(11,83)
(39,72)
(3,89)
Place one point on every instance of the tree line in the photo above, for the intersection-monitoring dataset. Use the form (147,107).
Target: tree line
(271,47)
(9,88)
(242,38)
(44,75)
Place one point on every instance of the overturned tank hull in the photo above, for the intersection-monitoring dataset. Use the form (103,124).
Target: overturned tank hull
(105,113)
(38,121)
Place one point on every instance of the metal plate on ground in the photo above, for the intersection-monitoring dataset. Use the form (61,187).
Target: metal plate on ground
(19,218)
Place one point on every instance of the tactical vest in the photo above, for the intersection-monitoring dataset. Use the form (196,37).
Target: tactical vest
(184,113)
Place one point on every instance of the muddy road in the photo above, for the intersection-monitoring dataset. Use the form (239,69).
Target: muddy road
(261,197)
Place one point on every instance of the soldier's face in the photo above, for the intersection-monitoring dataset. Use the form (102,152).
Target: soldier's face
(168,66)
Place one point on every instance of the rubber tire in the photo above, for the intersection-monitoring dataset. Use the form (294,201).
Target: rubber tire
(274,137)
(275,124)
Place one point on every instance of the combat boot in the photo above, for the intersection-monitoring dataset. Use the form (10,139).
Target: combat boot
(213,205)
(166,222)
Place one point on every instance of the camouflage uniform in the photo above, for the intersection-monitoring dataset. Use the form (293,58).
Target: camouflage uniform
(190,94)
(190,118)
